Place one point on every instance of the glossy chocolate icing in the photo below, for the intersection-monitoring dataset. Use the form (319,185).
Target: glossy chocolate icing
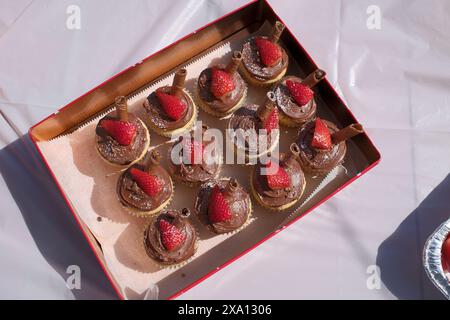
(277,198)
(246,118)
(289,107)
(226,102)
(116,153)
(319,161)
(153,243)
(158,117)
(131,195)
(252,62)
(238,201)
(193,173)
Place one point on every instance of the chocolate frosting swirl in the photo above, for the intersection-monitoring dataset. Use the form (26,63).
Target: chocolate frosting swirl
(319,161)
(153,243)
(116,153)
(159,118)
(238,201)
(278,198)
(131,195)
(246,119)
(289,107)
(194,173)
(226,102)
(252,62)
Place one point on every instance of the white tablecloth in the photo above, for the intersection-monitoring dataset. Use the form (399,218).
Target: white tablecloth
(366,242)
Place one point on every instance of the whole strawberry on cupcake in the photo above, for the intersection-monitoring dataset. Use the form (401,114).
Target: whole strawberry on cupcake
(170,238)
(121,138)
(170,109)
(323,145)
(145,188)
(254,130)
(279,184)
(221,89)
(191,161)
(223,206)
(295,99)
(264,61)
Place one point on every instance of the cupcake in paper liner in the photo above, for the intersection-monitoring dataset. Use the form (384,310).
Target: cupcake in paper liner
(170,240)
(122,139)
(295,99)
(194,160)
(280,183)
(220,89)
(254,130)
(264,61)
(144,189)
(170,109)
(223,206)
(323,145)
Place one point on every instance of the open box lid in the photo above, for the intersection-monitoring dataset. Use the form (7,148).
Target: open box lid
(245,19)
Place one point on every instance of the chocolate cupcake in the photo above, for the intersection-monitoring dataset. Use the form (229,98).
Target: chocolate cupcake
(170,239)
(145,189)
(279,184)
(254,130)
(323,146)
(221,89)
(223,206)
(264,61)
(295,99)
(170,109)
(191,161)
(121,138)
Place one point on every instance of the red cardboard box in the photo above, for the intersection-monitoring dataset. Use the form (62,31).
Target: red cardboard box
(239,23)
